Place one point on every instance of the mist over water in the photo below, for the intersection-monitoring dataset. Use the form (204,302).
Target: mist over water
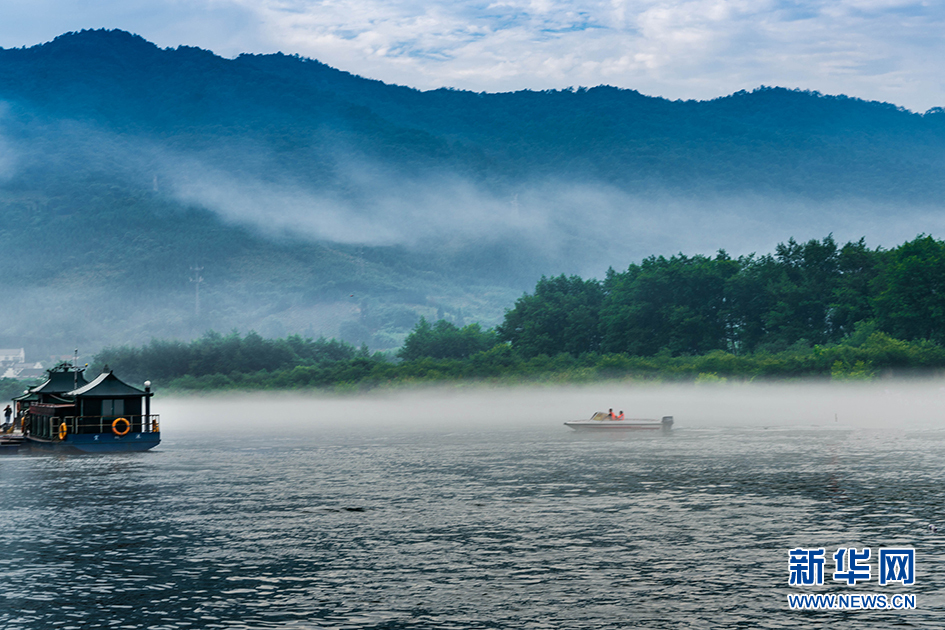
(476,508)
(894,405)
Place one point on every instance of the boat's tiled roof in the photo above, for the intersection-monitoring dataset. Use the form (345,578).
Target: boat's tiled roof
(106,385)
(60,382)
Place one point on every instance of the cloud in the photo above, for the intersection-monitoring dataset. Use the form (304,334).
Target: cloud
(220,25)
(884,50)
(558,226)
(874,49)
(371,210)
(554,225)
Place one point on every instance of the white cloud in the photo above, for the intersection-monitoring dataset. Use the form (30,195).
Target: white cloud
(875,49)
(884,50)
(377,210)
(570,227)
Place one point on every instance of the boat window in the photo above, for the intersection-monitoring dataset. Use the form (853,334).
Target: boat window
(113,406)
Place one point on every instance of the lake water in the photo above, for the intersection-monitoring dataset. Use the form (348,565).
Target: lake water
(464,510)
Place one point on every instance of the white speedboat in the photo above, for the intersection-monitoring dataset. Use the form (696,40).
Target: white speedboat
(601,421)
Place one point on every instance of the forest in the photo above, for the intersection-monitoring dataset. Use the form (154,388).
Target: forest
(805,294)
(812,309)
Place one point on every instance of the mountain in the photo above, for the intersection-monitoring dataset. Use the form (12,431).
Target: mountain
(316,201)
(302,112)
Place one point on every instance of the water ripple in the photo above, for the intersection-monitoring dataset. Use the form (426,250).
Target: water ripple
(530,529)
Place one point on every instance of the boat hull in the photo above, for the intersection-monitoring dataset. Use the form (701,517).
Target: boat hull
(666,424)
(98,443)
(594,425)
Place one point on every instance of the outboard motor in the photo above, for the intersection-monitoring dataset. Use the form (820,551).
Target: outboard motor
(667,423)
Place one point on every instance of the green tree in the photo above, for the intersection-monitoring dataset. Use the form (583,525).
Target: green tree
(747,302)
(910,301)
(801,294)
(853,292)
(562,315)
(678,304)
(444,340)
(10,388)
(214,353)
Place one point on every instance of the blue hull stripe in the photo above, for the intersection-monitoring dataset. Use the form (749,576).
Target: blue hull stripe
(100,442)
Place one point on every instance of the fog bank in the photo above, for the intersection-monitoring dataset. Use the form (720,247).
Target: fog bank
(565,226)
(560,223)
(892,405)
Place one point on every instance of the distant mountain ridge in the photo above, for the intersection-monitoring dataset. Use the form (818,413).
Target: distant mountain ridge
(320,202)
(768,139)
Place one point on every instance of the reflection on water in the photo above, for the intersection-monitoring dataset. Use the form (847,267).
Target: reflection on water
(517,527)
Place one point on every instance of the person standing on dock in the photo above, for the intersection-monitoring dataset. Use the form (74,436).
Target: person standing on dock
(6,417)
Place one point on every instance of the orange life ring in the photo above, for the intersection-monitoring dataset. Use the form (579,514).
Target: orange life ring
(115,427)
(63,430)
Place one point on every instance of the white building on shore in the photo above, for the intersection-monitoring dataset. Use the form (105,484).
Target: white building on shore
(13,364)
(10,356)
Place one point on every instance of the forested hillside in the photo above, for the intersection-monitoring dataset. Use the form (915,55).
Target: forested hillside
(312,201)
(302,111)
(809,309)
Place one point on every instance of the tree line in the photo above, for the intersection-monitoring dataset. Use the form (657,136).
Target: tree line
(813,308)
(803,294)
(216,354)
(864,355)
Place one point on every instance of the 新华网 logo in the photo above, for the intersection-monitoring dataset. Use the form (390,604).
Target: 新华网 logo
(895,565)
(850,567)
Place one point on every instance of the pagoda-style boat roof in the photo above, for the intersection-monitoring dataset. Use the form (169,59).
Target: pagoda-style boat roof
(60,381)
(106,385)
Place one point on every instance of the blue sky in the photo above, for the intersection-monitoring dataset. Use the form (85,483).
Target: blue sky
(888,50)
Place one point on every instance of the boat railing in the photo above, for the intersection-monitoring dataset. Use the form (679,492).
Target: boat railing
(136,423)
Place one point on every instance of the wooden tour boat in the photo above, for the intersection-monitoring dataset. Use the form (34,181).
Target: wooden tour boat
(69,413)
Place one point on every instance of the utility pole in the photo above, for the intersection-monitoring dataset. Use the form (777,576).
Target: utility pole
(196,279)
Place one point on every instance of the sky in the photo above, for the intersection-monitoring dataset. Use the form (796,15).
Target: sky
(884,50)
